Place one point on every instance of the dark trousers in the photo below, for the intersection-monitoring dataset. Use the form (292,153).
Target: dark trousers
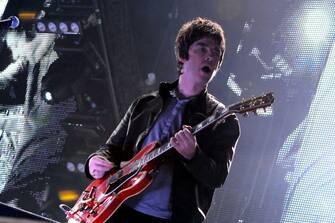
(128,215)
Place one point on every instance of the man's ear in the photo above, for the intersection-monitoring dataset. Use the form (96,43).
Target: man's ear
(181,59)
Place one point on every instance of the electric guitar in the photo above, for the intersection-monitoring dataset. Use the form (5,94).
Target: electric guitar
(104,196)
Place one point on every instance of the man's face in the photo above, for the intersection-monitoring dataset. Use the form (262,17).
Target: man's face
(203,60)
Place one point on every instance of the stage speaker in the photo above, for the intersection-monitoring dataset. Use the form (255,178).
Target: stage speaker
(9,214)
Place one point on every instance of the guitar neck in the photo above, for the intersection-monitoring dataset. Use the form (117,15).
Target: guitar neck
(249,105)
(166,147)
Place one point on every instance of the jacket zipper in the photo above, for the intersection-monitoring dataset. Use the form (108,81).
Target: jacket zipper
(198,203)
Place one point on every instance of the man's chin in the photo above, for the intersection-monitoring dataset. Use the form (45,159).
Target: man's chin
(207,76)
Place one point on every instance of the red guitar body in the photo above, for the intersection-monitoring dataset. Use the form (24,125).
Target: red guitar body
(102,198)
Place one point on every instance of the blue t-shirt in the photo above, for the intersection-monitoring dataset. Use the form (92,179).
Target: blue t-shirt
(155,199)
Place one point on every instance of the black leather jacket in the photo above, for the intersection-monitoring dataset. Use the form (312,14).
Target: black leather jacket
(194,180)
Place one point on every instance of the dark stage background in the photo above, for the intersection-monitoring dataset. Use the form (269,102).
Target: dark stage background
(69,71)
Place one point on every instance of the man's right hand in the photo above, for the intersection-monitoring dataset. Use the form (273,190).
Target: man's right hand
(98,166)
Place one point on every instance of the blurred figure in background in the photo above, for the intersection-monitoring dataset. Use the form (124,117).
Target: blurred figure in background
(31,137)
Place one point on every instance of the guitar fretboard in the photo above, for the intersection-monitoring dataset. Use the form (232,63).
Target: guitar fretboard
(242,108)
(164,148)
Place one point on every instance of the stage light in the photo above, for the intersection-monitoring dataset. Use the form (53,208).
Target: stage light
(316,24)
(68,195)
(63,27)
(70,166)
(90,101)
(54,91)
(81,167)
(58,26)
(151,79)
(41,27)
(47,96)
(27,16)
(75,28)
(52,27)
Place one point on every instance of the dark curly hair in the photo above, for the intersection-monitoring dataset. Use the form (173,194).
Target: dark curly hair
(194,30)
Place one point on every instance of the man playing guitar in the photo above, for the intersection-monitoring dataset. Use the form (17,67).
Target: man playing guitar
(185,178)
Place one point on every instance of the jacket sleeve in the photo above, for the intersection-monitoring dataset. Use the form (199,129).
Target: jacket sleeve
(112,149)
(210,166)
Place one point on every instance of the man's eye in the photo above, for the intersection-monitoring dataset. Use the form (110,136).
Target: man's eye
(203,49)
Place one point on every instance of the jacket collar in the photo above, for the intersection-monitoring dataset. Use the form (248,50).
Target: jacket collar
(166,89)
(203,103)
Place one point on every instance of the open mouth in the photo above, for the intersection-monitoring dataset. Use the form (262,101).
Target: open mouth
(206,69)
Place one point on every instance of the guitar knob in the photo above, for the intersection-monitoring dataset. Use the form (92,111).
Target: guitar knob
(82,208)
(93,213)
(92,192)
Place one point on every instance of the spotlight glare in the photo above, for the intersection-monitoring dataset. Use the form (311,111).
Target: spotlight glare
(48,96)
(316,25)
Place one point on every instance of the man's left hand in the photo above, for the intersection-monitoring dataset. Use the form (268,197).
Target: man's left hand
(184,142)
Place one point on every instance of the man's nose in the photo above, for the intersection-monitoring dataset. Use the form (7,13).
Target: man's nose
(209,57)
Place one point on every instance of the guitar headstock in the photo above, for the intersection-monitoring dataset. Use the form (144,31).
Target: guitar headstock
(252,104)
